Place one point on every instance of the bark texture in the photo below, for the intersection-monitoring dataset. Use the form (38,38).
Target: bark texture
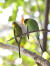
(45,24)
(26,52)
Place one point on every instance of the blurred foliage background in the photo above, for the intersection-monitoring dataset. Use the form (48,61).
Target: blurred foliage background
(12,10)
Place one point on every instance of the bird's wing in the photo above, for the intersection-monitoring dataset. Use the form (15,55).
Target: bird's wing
(15,37)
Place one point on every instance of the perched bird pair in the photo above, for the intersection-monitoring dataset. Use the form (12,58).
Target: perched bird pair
(31,24)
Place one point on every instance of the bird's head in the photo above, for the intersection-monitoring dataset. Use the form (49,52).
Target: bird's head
(14,24)
(25,21)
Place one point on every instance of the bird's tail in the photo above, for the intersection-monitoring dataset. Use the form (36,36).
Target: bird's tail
(19,47)
(37,36)
(27,32)
(19,50)
(40,45)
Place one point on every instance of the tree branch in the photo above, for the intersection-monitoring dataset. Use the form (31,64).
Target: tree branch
(45,25)
(31,32)
(26,52)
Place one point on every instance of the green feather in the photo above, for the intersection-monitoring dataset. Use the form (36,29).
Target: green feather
(17,34)
(32,26)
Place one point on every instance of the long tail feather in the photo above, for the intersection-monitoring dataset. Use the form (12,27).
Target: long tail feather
(27,32)
(37,36)
(19,46)
(40,46)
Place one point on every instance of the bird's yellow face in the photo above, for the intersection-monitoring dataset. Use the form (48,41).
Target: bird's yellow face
(13,24)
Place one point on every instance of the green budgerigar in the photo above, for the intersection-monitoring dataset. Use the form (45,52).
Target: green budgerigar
(32,25)
(17,34)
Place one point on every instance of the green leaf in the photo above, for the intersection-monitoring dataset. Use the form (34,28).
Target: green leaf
(45,55)
(1,11)
(10,18)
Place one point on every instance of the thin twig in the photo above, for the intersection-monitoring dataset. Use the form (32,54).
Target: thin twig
(31,32)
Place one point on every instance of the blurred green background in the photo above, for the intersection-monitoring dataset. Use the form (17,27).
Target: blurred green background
(11,10)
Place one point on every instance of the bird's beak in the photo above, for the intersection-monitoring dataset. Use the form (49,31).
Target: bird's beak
(22,20)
